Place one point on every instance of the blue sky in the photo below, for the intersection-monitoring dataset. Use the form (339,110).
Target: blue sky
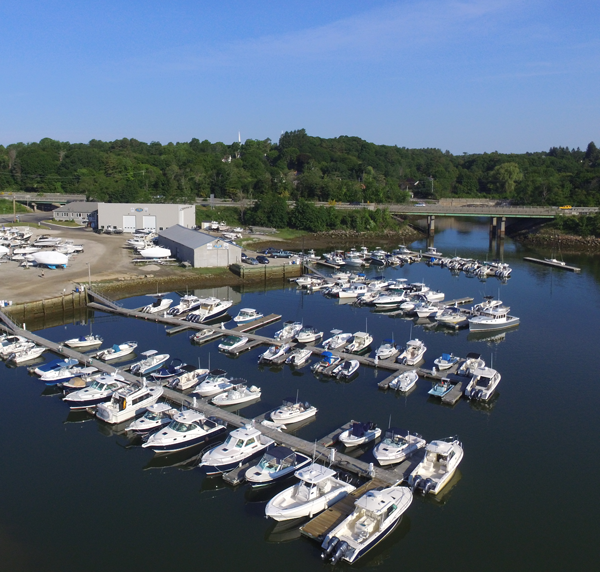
(467,76)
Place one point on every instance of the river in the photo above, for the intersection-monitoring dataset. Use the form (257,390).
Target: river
(76,497)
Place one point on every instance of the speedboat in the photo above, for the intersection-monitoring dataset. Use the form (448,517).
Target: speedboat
(396,445)
(187,303)
(128,402)
(298,356)
(24,354)
(100,390)
(188,428)
(482,384)
(202,335)
(346,369)
(292,412)
(376,514)
(53,365)
(290,330)
(446,361)
(472,362)
(247,315)
(359,434)
(84,341)
(405,381)
(215,382)
(55,376)
(317,490)
(159,305)
(277,463)
(241,445)
(236,394)
(441,388)
(155,417)
(441,460)
(117,351)
(151,362)
(361,342)
(389,300)
(231,343)
(337,341)
(175,367)
(451,316)
(495,318)
(413,353)
(387,350)
(188,378)
(210,309)
(274,353)
(327,360)
(308,334)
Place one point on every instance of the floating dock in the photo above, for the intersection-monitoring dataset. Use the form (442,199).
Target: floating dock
(553,264)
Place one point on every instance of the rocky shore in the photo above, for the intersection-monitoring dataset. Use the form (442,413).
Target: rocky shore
(563,241)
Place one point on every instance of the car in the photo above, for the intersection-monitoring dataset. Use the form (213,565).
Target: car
(262,259)
(244,256)
(268,251)
(420,205)
(566,208)
(281,254)
(250,260)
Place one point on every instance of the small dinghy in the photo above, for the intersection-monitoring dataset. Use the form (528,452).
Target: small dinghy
(396,445)
(237,394)
(440,463)
(441,388)
(359,434)
(446,361)
(292,412)
(276,464)
(405,381)
(155,417)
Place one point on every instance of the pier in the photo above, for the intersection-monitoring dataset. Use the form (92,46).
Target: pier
(552,263)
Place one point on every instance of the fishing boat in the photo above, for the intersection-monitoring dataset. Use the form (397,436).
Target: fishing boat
(276,464)
(231,343)
(318,489)
(346,369)
(495,318)
(359,433)
(210,309)
(440,463)
(128,402)
(289,331)
(117,351)
(88,341)
(308,334)
(327,360)
(445,361)
(376,514)
(236,395)
(189,377)
(405,381)
(413,353)
(292,412)
(187,303)
(441,388)
(361,341)
(337,341)
(483,384)
(472,362)
(98,391)
(247,315)
(274,353)
(155,417)
(387,349)
(397,445)
(298,356)
(151,362)
(215,382)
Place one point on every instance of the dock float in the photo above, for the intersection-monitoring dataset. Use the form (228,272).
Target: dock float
(332,438)
(453,395)
(258,323)
(553,264)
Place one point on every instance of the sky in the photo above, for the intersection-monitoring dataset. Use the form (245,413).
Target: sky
(468,76)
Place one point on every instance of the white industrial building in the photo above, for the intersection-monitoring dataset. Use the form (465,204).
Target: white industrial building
(198,248)
(137,216)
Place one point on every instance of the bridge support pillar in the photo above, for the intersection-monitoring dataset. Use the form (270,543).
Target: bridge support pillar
(430,225)
(502,229)
(494,227)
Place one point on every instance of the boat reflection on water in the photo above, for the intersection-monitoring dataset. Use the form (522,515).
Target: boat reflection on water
(183,460)
(385,550)
(484,406)
(115,430)
(490,337)
(291,428)
(284,531)
(79,416)
(51,391)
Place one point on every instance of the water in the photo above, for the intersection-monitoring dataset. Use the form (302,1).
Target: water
(74,496)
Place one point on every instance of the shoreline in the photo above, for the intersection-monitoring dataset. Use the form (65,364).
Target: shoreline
(567,242)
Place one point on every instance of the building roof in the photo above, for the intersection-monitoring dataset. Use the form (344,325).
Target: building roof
(188,237)
(77,207)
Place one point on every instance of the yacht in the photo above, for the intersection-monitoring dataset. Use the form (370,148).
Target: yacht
(189,377)
(232,343)
(241,445)
(389,301)
(441,460)
(99,390)
(236,394)
(327,360)
(210,309)
(187,303)
(353,258)
(128,402)
(151,362)
(155,417)
(289,331)
(187,429)
(441,388)
(24,354)
(482,384)
(215,382)
(405,381)
(337,341)
(376,514)
(247,315)
(360,343)
(298,356)
(292,412)
(352,291)
(277,463)
(472,362)
(413,353)
(495,318)
(308,334)
(274,353)
(387,350)
(445,361)
(346,369)
(359,433)
(84,341)
(317,490)
(159,305)
(397,445)
(117,351)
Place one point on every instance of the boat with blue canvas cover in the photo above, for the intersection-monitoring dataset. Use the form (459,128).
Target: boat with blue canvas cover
(446,361)
(327,360)
(54,364)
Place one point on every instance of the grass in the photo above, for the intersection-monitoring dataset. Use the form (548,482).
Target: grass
(70,223)
(6,207)
(231,215)
(290,233)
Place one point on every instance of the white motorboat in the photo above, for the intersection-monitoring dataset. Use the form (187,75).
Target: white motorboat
(405,381)
(241,445)
(428,310)
(237,394)
(376,514)
(327,360)
(346,369)
(495,318)
(413,353)
(232,343)
(289,331)
(187,429)
(317,490)
(26,354)
(98,391)
(63,374)
(210,309)
(128,402)
(151,362)
(14,343)
(247,315)
(389,300)
(308,334)
(353,258)
(361,341)
(159,305)
(292,412)
(451,316)
(51,259)
(441,461)
(274,353)
(117,351)
(482,384)
(472,362)
(53,365)
(84,341)
(337,341)
(445,361)
(155,417)
(155,252)
(215,382)
(277,463)
(397,445)
(555,261)
(298,356)
(187,303)
(387,349)
(359,433)
(202,335)
(352,291)
(189,377)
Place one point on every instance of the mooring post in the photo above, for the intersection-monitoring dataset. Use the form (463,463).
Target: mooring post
(502,231)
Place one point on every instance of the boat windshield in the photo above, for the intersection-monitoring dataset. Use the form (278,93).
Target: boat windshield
(269,463)
(154,416)
(100,386)
(394,441)
(181,427)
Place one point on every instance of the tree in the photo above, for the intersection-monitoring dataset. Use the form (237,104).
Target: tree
(506,176)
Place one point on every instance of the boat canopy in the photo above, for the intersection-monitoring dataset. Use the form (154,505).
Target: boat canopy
(440,447)
(280,453)
(473,355)
(327,355)
(116,347)
(314,474)
(359,429)
(446,357)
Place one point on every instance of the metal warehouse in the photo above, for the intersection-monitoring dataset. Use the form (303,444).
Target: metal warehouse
(156,217)
(201,250)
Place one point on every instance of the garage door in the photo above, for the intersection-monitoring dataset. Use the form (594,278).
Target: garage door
(149,223)
(128,223)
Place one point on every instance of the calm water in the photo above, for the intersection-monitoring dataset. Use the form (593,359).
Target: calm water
(74,496)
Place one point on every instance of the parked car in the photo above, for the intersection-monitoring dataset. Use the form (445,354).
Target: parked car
(281,254)
(420,205)
(244,256)
(268,251)
(252,261)
(262,259)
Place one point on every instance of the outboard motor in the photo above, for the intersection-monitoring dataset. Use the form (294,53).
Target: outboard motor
(339,552)
(479,394)
(429,484)
(332,544)
(417,482)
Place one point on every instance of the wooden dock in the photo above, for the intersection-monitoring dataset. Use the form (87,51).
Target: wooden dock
(247,346)
(332,438)
(453,395)
(560,265)
(458,301)
(259,323)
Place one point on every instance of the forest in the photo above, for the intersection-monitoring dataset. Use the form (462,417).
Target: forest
(298,166)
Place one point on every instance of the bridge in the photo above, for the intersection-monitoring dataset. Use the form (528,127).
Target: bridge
(42,198)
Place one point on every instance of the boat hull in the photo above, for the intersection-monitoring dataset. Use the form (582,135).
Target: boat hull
(492,325)
(180,446)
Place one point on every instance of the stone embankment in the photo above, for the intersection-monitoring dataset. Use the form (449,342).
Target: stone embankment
(564,241)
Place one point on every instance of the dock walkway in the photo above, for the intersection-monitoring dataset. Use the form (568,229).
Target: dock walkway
(557,264)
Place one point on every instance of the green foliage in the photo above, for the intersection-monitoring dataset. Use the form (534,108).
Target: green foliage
(6,207)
